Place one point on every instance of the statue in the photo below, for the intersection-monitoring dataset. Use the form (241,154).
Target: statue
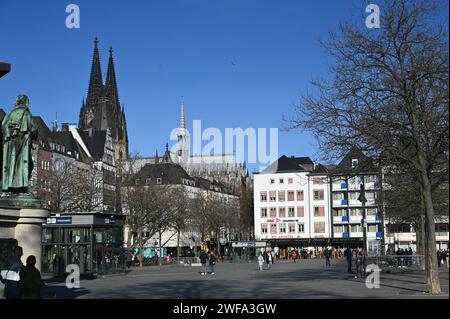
(18,131)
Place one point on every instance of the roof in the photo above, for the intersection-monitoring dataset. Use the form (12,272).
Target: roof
(169,173)
(95,142)
(4,68)
(288,164)
(365,163)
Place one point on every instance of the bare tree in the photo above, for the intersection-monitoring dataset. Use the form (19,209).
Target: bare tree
(388,96)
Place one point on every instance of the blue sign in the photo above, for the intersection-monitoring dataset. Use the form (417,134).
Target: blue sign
(59,220)
(63,220)
(345,235)
(345,218)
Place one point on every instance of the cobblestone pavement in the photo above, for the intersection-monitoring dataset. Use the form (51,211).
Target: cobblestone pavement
(286,280)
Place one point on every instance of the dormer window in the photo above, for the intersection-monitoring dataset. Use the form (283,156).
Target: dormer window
(147,181)
(354,163)
(159,181)
(137,181)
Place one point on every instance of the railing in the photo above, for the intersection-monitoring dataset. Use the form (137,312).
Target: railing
(398,263)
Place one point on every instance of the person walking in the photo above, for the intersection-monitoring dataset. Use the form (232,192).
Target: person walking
(294,255)
(31,281)
(327,254)
(212,262)
(349,255)
(260,261)
(269,261)
(10,276)
(203,260)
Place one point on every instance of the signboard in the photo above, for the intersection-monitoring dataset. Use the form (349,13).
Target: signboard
(373,248)
(249,244)
(59,220)
(110,221)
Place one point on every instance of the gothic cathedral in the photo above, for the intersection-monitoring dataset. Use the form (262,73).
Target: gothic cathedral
(101,110)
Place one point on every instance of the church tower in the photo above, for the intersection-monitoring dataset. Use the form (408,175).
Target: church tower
(182,137)
(101,110)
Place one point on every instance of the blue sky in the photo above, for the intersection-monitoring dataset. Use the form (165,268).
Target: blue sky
(238,63)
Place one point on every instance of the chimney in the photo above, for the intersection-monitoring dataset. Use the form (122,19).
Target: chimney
(65,127)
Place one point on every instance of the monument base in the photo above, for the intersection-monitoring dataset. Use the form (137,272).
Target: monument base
(20,200)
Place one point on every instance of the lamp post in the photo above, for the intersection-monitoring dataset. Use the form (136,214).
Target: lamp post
(363,200)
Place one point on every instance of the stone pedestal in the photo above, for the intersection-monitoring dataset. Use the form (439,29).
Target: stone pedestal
(21,218)
(28,232)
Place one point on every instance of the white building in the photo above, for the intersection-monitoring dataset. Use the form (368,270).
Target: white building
(292,207)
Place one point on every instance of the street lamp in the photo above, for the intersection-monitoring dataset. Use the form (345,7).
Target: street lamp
(363,200)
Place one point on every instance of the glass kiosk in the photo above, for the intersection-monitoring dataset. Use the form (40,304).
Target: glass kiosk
(93,241)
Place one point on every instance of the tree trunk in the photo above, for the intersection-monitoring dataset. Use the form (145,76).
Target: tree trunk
(178,246)
(435,286)
(160,248)
(141,254)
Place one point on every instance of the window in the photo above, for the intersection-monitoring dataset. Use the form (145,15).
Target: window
(371,196)
(272,181)
(291,212)
(291,196)
(263,228)
(282,212)
(272,196)
(355,211)
(273,212)
(356,228)
(319,228)
(290,180)
(147,181)
(301,228)
(299,195)
(137,181)
(338,196)
(291,228)
(281,180)
(281,196)
(354,163)
(338,229)
(371,211)
(318,180)
(318,195)
(159,181)
(372,228)
(263,196)
(273,228)
(264,212)
(353,195)
(282,228)
(339,212)
(370,178)
(319,211)
(300,211)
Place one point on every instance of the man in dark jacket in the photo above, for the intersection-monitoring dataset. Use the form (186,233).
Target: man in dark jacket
(31,281)
(349,256)
(203,260)
(10,276)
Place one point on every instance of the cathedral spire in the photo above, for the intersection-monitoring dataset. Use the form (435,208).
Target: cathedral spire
(182,120)
(111,84)
(95,81)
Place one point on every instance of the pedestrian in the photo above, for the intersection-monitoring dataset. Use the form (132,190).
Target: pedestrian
(446,257)
(439,256)
(349,255)
(269,261)
(360,265)
(203,259)
(327,254)
(260,261)
(294,255)
(212,262)
(10,275)
(31,281)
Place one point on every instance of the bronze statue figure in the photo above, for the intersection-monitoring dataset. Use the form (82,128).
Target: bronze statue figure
(18,131)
